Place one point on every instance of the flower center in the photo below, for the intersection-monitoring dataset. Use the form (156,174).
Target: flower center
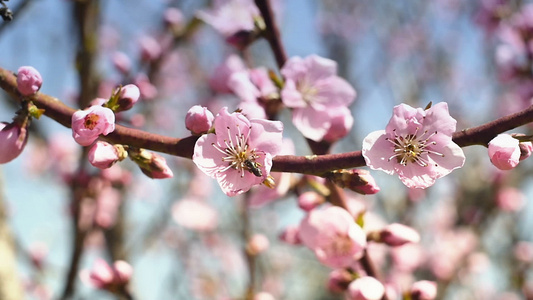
(413,148)
(340,245)
(307,90)
(238,155)
(91,120)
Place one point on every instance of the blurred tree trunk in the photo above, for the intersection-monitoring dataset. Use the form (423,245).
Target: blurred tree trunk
(10,286)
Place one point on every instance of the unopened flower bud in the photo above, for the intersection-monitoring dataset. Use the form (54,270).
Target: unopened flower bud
(357,180)
(111,278)
(129,95)
(121,62)
(397,235)
(257,244)
(173,18)
(241,39)
(29,80)
(290,235)
(504,152)
(152,164)
(526,148)
(104,155)
(366,288)
(13,139)
(424,290)
(150,48)
(309,200)
(339,280)
(199,119)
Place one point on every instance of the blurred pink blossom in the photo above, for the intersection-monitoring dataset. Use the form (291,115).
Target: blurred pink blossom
(309,200)
(220,76)
(366,288)
(121,62)
(258,243)
(333,235)
(195,215)
(315,93)
(106,277)
(338,280)
(397,234)
(416,144)
(510,199)
(230,16)
(424,290)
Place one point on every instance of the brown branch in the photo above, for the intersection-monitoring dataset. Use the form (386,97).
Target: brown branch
(317,165)
(271,32)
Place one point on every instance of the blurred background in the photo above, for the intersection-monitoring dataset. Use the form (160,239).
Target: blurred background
(184,238)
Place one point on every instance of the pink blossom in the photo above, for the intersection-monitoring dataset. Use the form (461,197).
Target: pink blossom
(341,123)
(504,152)
(199,119)
(334,236)
(195,215)
(148,90)
(339,280)
(510,199)
(263,296)
(29,80)
(315,93)
(366,288)
(107,205)
(398,234)
(258,243)
(424,290)
(103,155)
(121,62)
(239,154)
(152,164)
(416,144)
(309,200)
(252,85)
(89,123)
(150,48)
(290,235)
(231,16)
(13,139)
(526,148)
(220,76)
(106,277)
(173,17)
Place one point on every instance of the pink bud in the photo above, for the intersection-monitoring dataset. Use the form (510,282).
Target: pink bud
(290,235)
(152,164)
(129,95)
(12,141)
(526,148)
(123,271)
(357,180)
(150,48)
(339,280)
(89,123)
(366,288)
(103,155)
(173,17)
(199,119)
(29,80)
(257,244)
(309,200)
(504,152)
(398,234)
(121,62)
(424,290)
(148,90)
(263,296)
(510,199)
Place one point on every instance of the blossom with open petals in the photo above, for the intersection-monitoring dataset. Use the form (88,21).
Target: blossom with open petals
(334,236)
(239,154)
(315,93)
(416,144)
(89,123)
